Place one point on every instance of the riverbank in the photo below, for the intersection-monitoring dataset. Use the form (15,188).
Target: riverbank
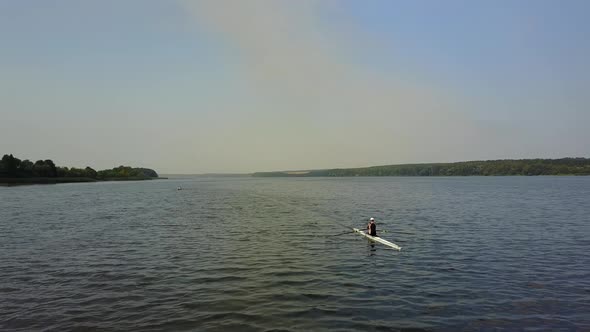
(7,182)
(14,171)
(505,167)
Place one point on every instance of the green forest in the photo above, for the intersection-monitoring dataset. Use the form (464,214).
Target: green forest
(12,168)
(528,167)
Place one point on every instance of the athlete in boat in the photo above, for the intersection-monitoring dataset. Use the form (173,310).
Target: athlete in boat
(372,227)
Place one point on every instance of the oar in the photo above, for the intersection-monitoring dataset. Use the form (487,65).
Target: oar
(339,234)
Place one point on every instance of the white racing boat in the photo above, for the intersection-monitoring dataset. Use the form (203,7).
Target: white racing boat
(378,239)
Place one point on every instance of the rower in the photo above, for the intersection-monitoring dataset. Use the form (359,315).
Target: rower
(372,227)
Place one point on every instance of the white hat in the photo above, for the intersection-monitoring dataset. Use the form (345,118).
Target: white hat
(372,219)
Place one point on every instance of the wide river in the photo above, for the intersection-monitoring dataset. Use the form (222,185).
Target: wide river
(262,254)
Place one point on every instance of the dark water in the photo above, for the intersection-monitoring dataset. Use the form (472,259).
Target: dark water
(247,254)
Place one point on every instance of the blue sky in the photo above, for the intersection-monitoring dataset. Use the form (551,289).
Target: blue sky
(227,86)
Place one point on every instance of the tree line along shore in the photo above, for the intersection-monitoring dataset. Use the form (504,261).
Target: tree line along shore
(527,167)
(16,171)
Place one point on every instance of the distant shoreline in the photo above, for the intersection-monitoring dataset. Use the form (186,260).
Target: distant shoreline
(14,171)
(505,167)
(9,182)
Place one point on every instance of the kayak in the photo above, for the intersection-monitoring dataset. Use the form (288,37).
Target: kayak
(378,239)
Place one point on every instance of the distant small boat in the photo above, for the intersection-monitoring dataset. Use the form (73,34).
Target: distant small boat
(179,188)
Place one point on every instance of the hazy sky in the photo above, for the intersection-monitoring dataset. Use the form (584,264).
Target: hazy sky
(240,86)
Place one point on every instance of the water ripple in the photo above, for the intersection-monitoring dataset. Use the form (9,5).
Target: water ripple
(251,254)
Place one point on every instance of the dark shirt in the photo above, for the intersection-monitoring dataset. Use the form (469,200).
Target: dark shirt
(373,229)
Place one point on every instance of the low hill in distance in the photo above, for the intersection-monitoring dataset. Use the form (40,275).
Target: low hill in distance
(563,166)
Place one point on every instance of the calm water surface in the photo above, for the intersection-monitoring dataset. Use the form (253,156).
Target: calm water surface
(250,254)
